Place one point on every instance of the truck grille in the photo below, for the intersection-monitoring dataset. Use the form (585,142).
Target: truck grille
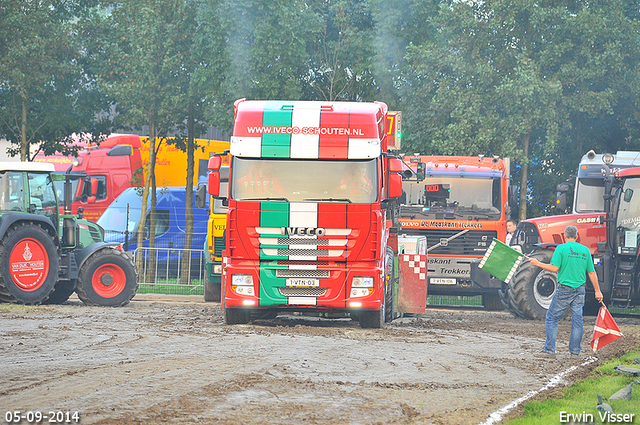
(302,292)
(473,242)
(315,274)
(333,245)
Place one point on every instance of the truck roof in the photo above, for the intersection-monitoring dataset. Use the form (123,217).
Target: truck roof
(592,167)
(308,130)
(27,166)
(472,166)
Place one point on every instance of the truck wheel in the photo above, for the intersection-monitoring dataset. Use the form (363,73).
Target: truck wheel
(61,292)
(236,316)
(376,319)
(491,301)
(389,296)
(372,319)
(29,264)
(107,278)
(532,288)
(211,291)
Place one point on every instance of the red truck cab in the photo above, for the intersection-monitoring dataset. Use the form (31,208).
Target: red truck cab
(307,227)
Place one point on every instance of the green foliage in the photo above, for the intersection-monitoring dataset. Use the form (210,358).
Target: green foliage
(45,93)
(583,396)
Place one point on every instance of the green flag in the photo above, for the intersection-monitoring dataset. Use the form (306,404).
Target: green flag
(501,260)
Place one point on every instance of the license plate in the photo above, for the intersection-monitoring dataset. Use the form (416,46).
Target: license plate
(442,281)
(305,283)
(302,300)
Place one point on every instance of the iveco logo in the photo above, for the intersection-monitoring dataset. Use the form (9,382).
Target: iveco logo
(303,231)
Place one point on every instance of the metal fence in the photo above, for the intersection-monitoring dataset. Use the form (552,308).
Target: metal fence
(170,270)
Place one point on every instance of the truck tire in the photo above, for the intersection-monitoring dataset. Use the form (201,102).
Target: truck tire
(376,319)
(532,288)
(236,316)
(491,301)
(61,292)
(107,278)
(29,264)
(212,291)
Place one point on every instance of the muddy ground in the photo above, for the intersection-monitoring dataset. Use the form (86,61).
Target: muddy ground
(172,360)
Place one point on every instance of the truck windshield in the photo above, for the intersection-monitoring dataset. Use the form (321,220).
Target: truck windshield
(304,180)
(589,195)
(476,198)
(628,220)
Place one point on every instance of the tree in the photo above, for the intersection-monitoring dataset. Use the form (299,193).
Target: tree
(45,94)
(339,65)
(507,74)
(140,54)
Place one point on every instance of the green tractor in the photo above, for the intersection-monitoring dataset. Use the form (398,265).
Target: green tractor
(47,253)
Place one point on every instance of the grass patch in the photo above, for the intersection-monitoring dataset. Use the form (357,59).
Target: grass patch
(171,289)
(454,300)
(582,397)
(14,308)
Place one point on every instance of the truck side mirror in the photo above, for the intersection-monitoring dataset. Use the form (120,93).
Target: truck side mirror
(512,195)
(94,187)
(214,183)
(561,201)
(215,163)
(395,185)
(201,196)
(561,196)
(421,168)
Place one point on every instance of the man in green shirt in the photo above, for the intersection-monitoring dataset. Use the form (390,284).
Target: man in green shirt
(572,261)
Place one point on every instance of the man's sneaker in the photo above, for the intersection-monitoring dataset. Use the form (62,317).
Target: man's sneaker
(575,356)
(545,355)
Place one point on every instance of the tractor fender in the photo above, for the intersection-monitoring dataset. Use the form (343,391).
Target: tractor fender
(86,252)
(9,219)
(542,246)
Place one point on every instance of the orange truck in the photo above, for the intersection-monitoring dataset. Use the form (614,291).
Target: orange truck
(121,161)
(458,204)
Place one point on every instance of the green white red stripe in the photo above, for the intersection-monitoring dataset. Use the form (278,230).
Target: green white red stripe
(308,130)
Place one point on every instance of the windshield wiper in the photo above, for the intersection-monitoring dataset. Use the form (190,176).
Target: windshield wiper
(328,200)
(265,199)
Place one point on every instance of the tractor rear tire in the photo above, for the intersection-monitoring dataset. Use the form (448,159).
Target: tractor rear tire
(212,291)
(107,278)
(29,264)
(532,288)
(61,292)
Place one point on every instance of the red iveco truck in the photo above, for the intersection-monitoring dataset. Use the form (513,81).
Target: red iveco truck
(120,161)
(311,188)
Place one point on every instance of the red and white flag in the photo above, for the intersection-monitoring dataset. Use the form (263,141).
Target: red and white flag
(605,331)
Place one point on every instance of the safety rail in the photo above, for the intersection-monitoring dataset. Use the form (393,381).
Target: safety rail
(170,270)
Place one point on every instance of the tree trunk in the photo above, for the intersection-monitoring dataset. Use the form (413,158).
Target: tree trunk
(24,142)
(524,177)
(188,224)
(145,196)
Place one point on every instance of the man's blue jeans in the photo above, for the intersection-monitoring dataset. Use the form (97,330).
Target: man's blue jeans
(564,298)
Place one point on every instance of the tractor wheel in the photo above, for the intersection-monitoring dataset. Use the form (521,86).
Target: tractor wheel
(61,292)
(211,291)
(29,264)
(532,288)
(107,278)
(491,301)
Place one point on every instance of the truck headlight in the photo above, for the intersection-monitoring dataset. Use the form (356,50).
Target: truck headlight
(361,286)
(217,268)
(242,284)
